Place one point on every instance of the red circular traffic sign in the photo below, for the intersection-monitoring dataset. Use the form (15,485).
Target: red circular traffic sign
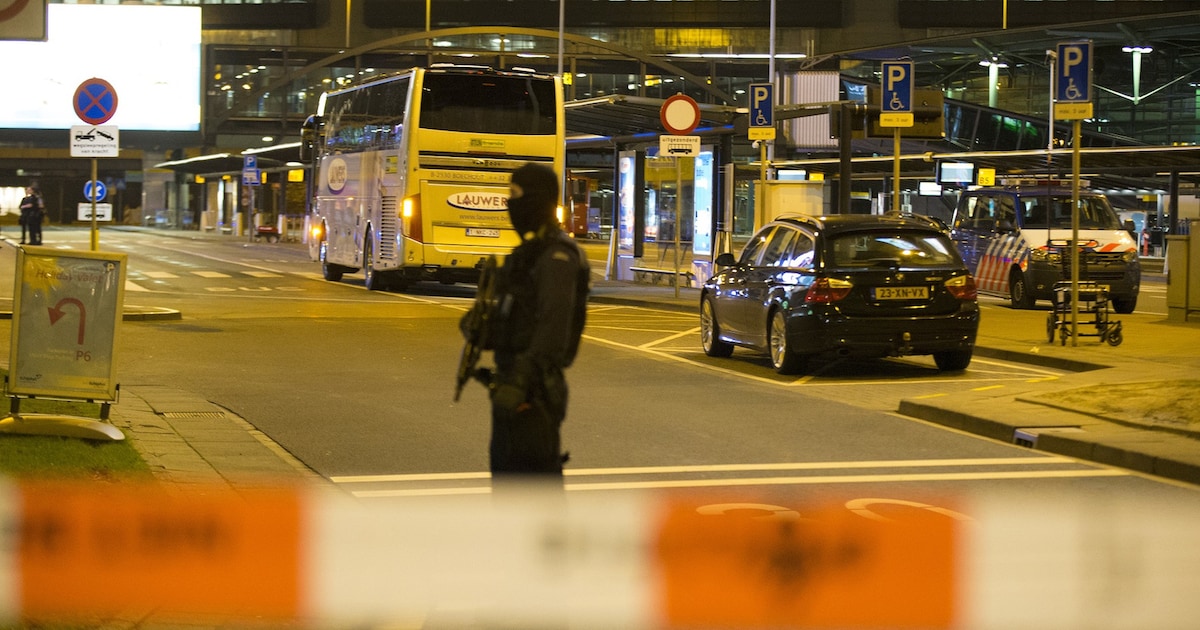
(679,114)
(95,101)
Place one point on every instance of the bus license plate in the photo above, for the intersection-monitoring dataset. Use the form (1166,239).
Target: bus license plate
(901,293)
(485,232)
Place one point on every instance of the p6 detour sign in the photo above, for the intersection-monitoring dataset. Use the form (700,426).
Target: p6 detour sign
(66,306)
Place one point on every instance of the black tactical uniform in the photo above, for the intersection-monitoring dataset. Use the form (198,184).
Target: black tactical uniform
(542,297)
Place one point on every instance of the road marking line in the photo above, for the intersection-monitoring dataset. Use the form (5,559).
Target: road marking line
(685,333)
(768,481)
(160,275)
(211,274)
(705,468)
(263,274)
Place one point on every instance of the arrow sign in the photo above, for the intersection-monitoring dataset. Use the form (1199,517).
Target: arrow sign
(95,191)
(56,313)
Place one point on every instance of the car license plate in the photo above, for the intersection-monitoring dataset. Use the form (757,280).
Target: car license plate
(901,293)
(485,232)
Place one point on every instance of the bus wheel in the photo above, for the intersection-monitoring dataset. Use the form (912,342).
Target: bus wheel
(374,279)
(331,272)
(1018,291)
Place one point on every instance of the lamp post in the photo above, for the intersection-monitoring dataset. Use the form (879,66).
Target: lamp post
(993,65)
(1137,52)
(562,19)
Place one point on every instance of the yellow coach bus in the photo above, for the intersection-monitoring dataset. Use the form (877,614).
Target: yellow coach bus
(411,170)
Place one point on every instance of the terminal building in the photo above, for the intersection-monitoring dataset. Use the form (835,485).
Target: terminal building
(981,70)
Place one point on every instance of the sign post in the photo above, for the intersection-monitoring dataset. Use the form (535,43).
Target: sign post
(896,111)
(95,102)
(252,177)
(679,115)
(1073,101)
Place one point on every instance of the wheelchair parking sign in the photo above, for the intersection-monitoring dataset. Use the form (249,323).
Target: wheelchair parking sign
(1073,81)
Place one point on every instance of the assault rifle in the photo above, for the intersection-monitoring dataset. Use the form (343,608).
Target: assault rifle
(476,328)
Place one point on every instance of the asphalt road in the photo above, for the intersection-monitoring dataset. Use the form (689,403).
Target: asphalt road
(358,386)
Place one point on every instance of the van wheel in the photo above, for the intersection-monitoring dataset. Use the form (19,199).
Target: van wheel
(1124,306)
(1018,291)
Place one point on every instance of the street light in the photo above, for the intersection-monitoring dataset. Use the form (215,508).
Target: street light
(1137,68)
(993,65)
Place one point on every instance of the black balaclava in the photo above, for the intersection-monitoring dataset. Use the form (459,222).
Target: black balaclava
(534,196)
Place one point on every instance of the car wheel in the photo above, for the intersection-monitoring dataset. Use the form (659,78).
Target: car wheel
(1018,291)
(952,360)
(710,331)
(374,279)
(330,272)
(783,358)
(1124,306)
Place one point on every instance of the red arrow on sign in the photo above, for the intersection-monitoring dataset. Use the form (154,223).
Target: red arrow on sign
(13,10)
(56,313)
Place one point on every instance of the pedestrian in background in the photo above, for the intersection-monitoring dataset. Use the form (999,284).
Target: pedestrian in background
(542,300)
(29,204)
(36,214)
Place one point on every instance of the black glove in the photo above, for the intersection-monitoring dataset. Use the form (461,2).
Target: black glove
(509,397)
(469,323)
(510,388)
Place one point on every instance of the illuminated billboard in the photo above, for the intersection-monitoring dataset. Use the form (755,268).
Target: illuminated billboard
(150,55)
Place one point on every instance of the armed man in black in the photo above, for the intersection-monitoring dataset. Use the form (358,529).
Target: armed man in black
(541,307)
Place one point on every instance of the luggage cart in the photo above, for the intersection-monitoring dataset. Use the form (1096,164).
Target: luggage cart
(1093,303)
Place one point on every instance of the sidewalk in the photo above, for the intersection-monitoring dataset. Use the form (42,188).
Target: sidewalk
(1135,406)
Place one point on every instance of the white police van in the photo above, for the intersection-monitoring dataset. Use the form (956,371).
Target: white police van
(1007,236)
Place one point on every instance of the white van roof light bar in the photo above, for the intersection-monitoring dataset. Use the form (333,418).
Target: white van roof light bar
(1034,182)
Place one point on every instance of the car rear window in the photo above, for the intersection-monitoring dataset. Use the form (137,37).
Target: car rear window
(905,248)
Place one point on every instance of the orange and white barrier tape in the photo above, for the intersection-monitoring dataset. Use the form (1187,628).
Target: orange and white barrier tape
(596,560)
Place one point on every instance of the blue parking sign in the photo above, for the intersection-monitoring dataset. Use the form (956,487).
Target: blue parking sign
(897,87)
(1073,74)
(762,105)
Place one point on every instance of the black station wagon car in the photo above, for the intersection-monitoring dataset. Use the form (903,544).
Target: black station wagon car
(844,285)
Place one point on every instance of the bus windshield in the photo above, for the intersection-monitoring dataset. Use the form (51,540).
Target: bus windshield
(492,104)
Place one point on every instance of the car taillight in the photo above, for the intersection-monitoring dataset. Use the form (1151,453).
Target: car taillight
(826,290)
(410,214)
(962,287)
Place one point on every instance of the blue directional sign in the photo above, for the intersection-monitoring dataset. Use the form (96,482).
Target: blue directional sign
(897,87)
(97,188)
(1073,75)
